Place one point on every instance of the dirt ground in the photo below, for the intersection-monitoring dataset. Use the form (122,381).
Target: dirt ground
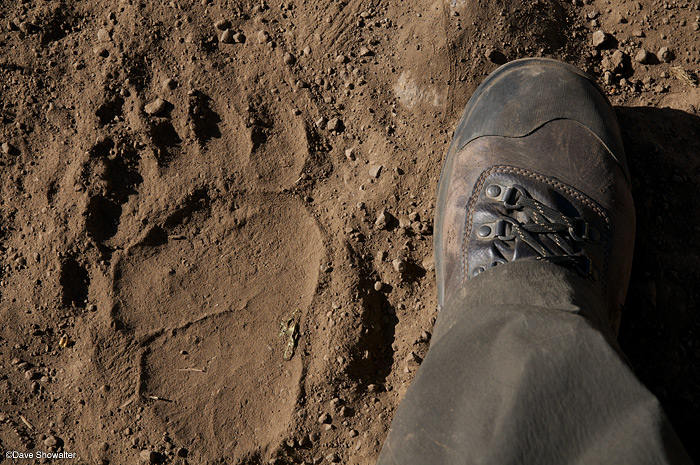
(216,216)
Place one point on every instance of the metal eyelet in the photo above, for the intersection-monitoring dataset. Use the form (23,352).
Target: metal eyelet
(501,229)
(493,191)
(483,231)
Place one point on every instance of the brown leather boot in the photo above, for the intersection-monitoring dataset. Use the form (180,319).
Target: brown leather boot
(536,171)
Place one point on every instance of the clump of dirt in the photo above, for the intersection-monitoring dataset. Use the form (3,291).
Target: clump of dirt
(182,179)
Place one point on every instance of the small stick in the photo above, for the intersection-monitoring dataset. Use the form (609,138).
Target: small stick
(26,422)
(159,398)
(127,403)
(189,369)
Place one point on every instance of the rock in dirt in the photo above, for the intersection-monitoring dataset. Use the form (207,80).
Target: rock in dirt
(103,35)
(642,56)
(600,39)
(288,59)
(155,107)
(239,38)
(375,171)
(149,456)
(383,219)
(618,61)
(263,37)
(665,54)
(399,265)
(226,37)
(222,24)
(335,125)
(101,51)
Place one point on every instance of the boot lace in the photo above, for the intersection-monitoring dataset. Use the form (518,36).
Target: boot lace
(542,221)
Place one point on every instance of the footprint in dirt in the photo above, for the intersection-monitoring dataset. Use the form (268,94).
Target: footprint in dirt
(279,147)
(209,293)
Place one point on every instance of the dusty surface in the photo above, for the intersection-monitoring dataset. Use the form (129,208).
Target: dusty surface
(151,250)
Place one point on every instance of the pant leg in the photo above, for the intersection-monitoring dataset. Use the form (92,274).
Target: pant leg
(522,370)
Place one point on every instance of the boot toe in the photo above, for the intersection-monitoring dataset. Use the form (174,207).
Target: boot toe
(523,95)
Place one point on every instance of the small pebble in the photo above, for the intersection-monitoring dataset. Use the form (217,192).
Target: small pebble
(101,51)
(382,220)
(642,56)
(6,148)
(226,37)
(321,122)
(350,154)
(618,61)
(263,37)
(375,170)
(103,35)
(155,107)
(399,265)
(222,24)
(378,286)
(324,418)
(239,38)
(288,59)
(665,54)
(599,38)
(335,125)
(149,456)
(169,83)
(365,52)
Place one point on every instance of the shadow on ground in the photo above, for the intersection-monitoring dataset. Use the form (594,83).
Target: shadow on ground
(660,330)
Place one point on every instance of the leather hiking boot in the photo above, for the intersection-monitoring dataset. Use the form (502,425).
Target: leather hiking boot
(536,171)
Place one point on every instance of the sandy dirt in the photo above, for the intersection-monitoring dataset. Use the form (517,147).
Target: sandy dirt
(216,216)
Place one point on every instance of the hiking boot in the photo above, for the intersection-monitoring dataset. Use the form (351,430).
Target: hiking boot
(536,171)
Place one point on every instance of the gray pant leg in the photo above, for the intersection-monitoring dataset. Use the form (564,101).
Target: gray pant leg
(521,370)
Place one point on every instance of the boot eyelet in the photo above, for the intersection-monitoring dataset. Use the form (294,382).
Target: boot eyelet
(477,270)
(483,231)
(493,191)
